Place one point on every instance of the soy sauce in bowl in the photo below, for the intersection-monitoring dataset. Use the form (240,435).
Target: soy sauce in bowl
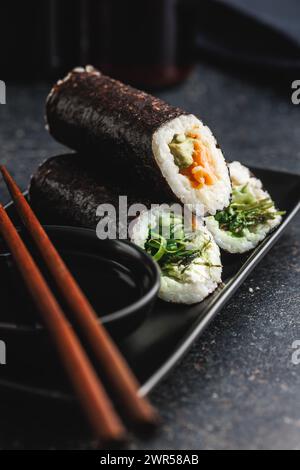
(119,279)
(108,284)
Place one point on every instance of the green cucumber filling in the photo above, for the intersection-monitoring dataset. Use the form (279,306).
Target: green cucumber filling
(182,149)
(178,251)
(246,213)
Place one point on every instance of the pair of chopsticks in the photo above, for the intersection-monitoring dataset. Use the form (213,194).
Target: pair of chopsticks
(94,400)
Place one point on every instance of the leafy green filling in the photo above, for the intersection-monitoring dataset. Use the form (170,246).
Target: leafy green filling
(246,213)
(174,252)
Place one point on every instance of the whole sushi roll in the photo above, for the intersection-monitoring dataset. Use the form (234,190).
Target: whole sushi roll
(64,190)
(188,257)
(158,149)
(249,218)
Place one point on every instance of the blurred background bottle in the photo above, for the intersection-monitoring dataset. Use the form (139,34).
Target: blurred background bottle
(148,42)
(144,42)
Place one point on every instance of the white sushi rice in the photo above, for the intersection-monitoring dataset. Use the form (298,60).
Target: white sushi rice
(211,198)
(241,176)
(199,280)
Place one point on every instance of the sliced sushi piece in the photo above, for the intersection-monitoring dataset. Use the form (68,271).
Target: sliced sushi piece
(142,141)
(189,258)
(249,218)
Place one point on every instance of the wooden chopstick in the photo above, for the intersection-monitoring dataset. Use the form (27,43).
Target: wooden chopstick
(120,377)
(91,393)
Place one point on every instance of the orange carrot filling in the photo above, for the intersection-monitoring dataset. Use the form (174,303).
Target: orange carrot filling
(201,172)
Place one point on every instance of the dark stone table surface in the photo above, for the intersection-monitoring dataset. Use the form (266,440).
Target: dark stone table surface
(237,388)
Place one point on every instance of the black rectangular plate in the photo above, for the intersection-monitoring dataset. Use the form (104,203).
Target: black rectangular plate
(155,348)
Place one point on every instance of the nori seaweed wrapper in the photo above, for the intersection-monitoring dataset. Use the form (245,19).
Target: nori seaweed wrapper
(112,123)
(64,190)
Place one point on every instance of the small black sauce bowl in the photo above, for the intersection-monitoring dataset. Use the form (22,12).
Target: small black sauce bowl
(120,280)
